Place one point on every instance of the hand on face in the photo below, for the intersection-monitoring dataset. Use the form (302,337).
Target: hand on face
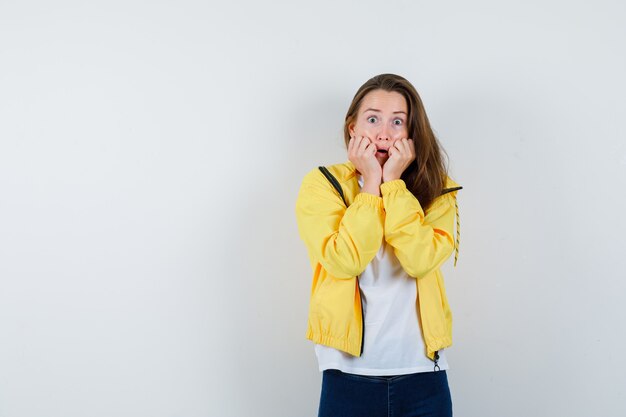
(362,153)
(401,154)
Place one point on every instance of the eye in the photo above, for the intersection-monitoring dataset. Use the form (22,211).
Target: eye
(398,122)
(369,119)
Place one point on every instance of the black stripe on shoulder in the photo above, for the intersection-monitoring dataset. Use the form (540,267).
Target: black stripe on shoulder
(334,182)
(449,190)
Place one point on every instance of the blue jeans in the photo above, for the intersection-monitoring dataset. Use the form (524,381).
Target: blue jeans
(411,395)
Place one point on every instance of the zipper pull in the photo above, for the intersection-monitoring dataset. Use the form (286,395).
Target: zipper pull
(437,368)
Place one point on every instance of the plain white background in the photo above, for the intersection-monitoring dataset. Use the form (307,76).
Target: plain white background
(151,154)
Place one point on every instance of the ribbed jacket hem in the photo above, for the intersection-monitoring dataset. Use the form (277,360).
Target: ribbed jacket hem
(370,199)
(335,342)
(387,187)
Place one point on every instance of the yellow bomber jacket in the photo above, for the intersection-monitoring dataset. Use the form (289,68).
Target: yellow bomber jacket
(342,241)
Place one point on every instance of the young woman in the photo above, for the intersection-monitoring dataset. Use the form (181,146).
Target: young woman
(377,229)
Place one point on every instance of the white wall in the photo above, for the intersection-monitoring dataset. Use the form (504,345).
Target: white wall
(150,157)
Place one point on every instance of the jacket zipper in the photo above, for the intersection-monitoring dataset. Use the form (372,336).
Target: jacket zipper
(362,316)
(436,368)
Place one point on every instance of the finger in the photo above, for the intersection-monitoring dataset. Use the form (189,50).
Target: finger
(403,151)
(404,146)
(371,147)
(408,146)
(397,147)
(411,147)
(356,145)
(363,144)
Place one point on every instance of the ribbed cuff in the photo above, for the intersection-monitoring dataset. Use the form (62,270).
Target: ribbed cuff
(389,186)
(369,199)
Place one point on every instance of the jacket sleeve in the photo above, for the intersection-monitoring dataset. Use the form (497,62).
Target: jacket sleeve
(422,242)
(343,241)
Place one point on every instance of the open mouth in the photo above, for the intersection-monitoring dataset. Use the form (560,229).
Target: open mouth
(382,152)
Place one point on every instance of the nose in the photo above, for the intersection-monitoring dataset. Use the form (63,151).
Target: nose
(383,134)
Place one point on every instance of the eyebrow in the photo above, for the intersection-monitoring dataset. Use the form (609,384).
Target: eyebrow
(380,111)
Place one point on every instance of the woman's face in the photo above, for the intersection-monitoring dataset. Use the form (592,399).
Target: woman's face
(382,117)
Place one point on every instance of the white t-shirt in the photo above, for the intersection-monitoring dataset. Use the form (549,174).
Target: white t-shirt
(393,343)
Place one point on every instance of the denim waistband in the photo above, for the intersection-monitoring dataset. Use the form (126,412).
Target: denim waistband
(385,378)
